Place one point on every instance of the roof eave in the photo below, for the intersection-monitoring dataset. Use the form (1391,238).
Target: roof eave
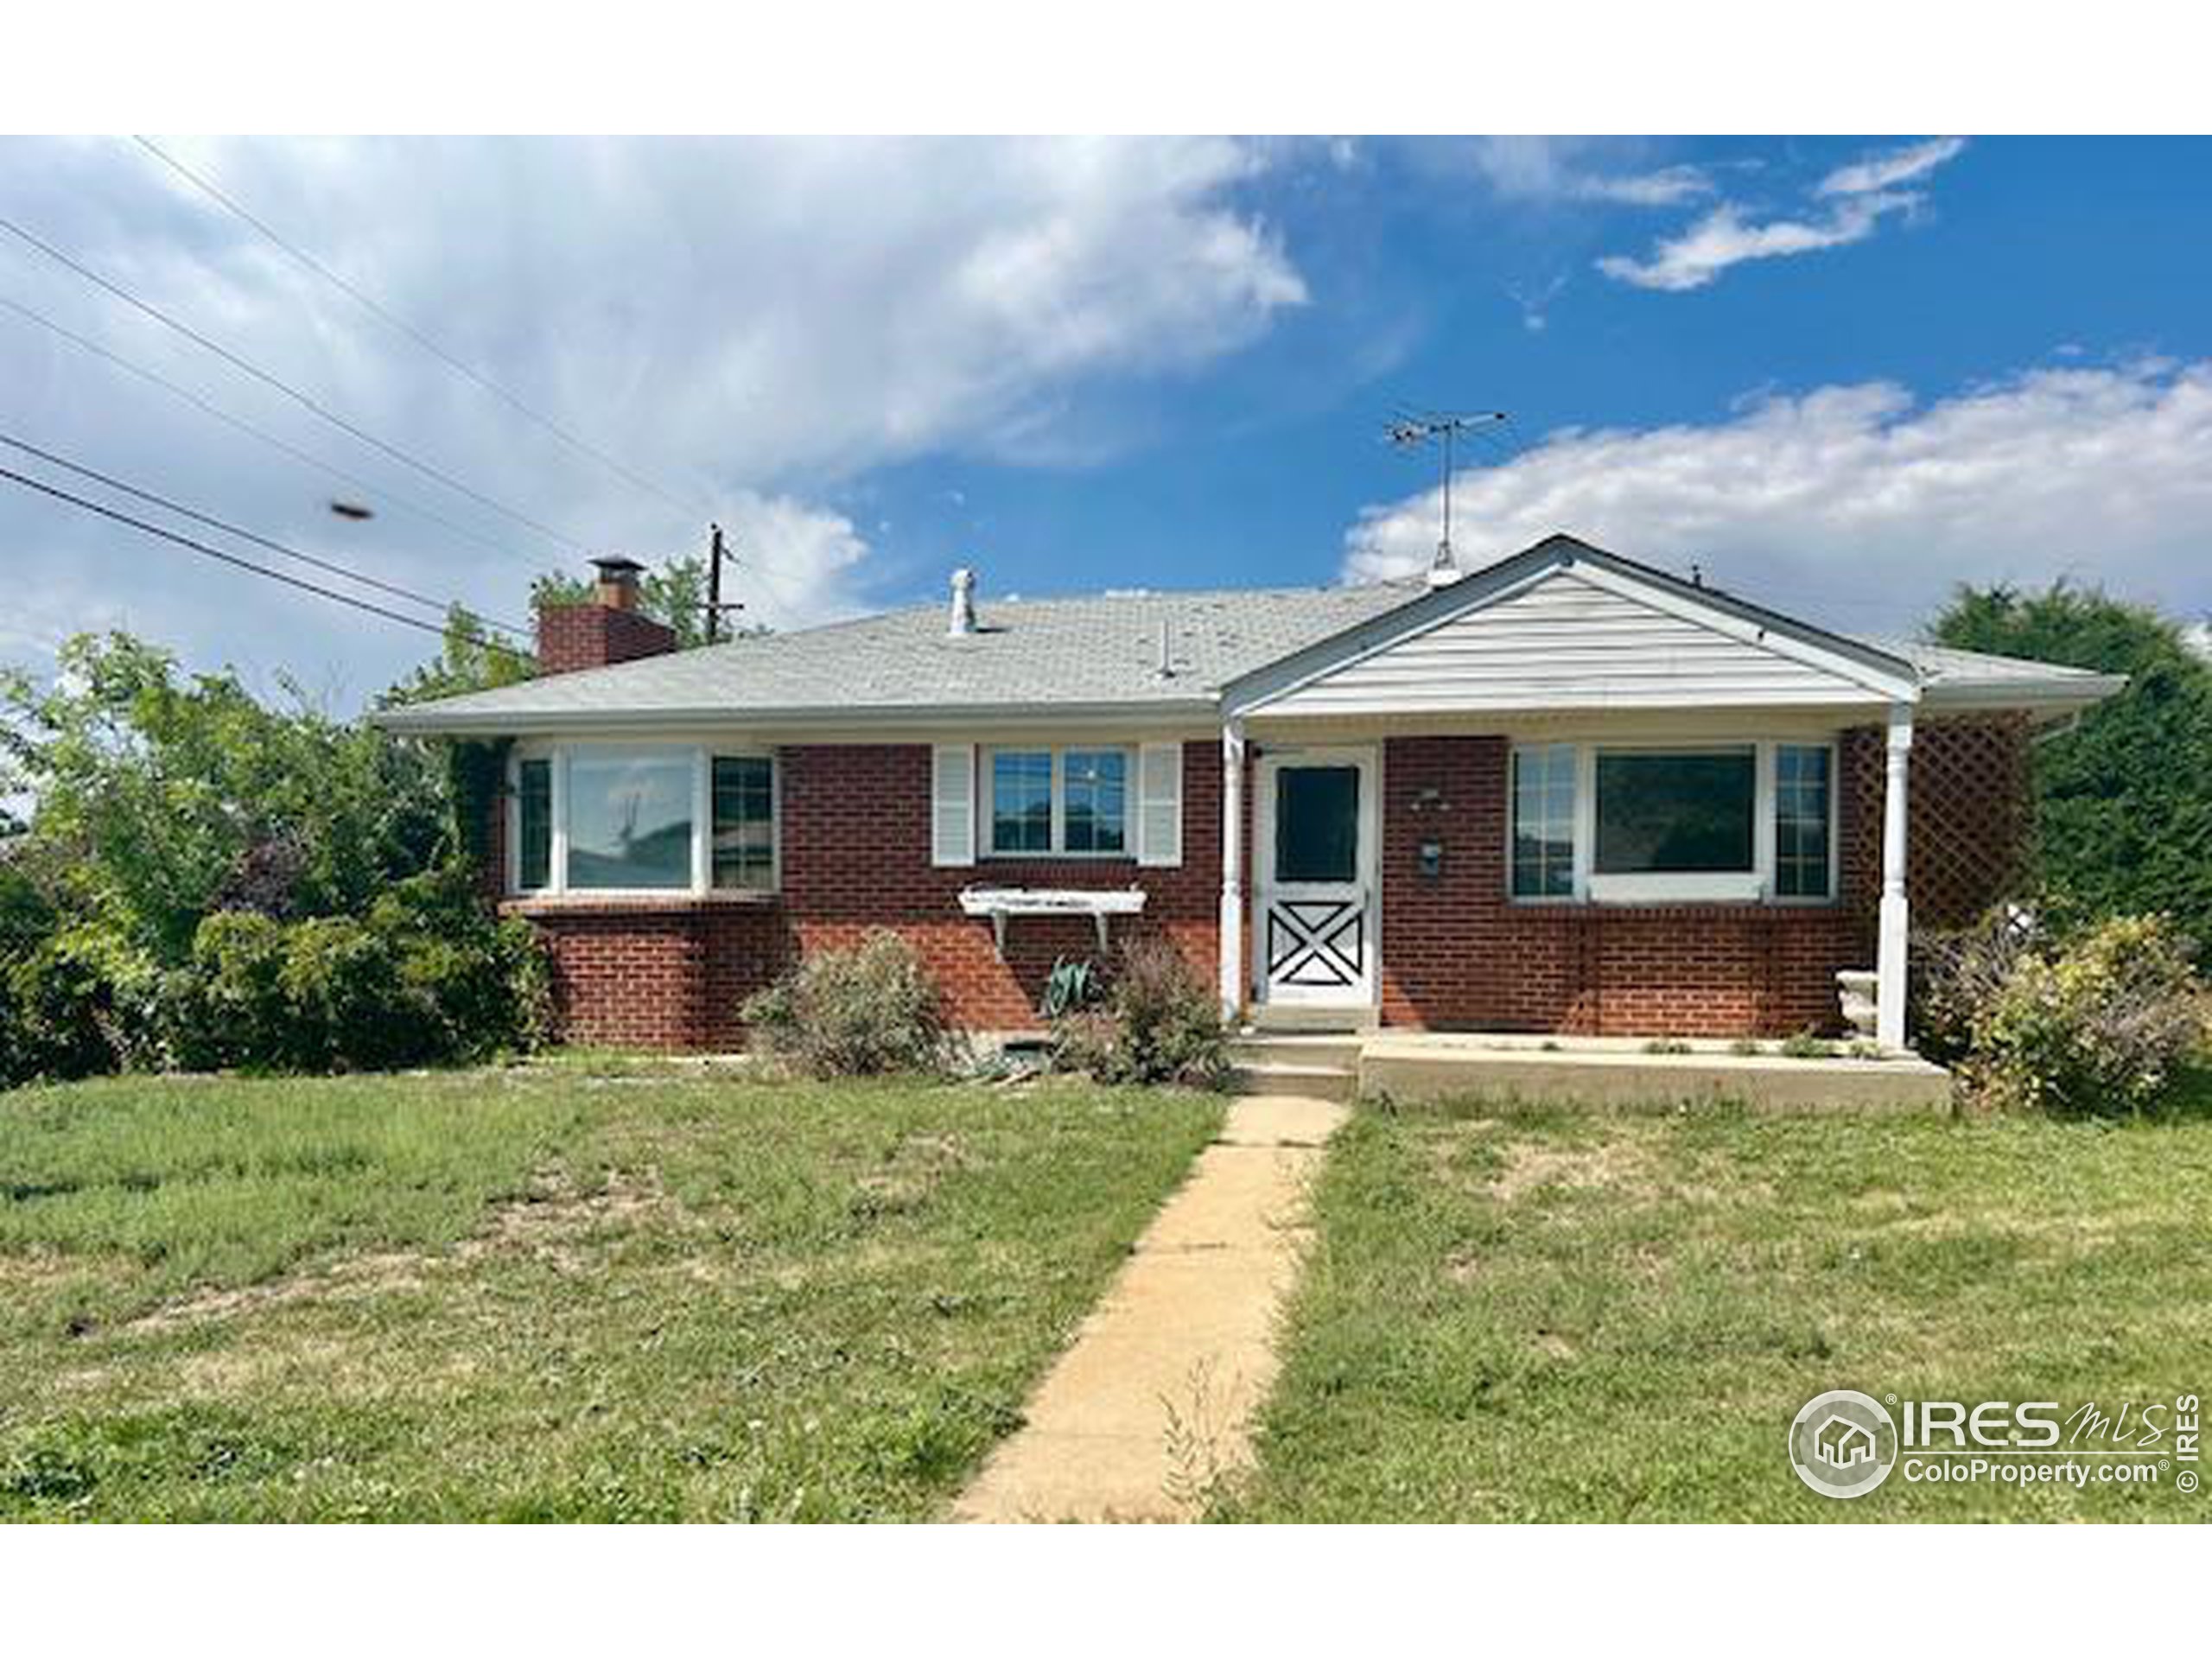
(427,720)
(2052,699)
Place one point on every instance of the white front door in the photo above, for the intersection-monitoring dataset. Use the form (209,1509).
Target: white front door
(1314,855)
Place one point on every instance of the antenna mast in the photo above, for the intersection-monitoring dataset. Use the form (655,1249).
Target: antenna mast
(1411,429)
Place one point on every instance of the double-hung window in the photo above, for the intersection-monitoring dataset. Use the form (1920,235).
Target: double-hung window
(1804,838)
(1543,821)
(1047,802)
(744,823)
(1656,823)
(609,817)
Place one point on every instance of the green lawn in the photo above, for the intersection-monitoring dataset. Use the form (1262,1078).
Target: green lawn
(1524,1317)
(558,1294)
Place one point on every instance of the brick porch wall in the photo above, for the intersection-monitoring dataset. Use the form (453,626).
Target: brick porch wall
(1457,953)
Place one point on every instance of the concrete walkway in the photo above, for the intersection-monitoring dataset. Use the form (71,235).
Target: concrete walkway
(1153,1402)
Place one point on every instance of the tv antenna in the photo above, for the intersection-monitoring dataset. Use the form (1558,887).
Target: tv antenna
(1414,428)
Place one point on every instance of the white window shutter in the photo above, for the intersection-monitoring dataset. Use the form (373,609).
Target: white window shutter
(952,804)
(1159,804)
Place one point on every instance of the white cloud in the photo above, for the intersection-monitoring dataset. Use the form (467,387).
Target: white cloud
(1887,172)
(1859,196)
(1859,504)
(1724,238)
(752,324)
(1564,169)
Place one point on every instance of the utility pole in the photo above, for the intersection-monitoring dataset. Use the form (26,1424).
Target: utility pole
(716,552)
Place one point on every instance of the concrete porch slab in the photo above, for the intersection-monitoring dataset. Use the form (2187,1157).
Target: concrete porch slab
(1620,1072)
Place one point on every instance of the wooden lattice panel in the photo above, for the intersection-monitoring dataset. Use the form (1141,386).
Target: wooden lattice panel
(1970,840)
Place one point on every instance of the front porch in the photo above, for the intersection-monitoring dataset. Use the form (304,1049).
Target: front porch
(1572,796)
(1612,1073)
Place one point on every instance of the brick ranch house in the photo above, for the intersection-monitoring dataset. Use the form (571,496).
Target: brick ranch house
(1567,792)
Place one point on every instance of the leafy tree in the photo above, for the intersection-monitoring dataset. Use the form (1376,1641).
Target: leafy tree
(159,798)
(675,594)
(469,659)
(2124,800)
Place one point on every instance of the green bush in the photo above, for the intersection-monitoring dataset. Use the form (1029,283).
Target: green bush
(855,1013)
(1957,973)
(430,976)
(78,1002)
(1158,1024)
(2097,1028)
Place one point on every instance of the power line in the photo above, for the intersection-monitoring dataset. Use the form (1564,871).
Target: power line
(208,187)
(329,566)
(306,402)
(286,577)
(252,431)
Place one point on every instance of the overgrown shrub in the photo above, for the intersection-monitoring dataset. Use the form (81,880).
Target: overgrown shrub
(430,976)
(1957,973)
(1159,1023)
(855,1013)
(80,1002)
(2097,1028)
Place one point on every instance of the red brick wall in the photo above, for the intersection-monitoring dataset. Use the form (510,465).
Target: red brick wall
(855,854)
(1456,953)
(660,974)
(592,635)
(669,973)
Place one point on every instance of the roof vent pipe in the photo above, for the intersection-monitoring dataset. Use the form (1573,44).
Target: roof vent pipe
(1166,669)
(963,603)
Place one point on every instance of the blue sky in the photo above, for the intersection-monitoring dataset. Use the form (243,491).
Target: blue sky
(1838,374)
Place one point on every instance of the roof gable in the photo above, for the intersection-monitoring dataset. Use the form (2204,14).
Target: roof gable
(1568,626)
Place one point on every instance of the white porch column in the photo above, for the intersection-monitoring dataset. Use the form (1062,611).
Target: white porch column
(1232,868)
(1896,919)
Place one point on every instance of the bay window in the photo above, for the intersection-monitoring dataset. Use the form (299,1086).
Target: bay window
(642,818)
(1049,803)
(534,824)
(1687,822)
(629,819)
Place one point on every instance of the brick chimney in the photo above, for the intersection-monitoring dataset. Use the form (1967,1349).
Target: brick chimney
(608,627)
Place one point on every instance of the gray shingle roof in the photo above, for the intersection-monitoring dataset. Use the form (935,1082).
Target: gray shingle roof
(1948,675)
(1056,655)
(1041,653)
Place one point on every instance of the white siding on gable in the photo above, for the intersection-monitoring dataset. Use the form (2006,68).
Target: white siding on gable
(1567,642)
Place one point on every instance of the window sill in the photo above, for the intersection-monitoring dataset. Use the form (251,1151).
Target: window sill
(1701,889)
(571,904)
(1057,858)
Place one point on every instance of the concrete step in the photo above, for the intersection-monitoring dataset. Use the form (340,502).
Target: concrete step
(1280,1048)
(1272,1018)
(1314,1081)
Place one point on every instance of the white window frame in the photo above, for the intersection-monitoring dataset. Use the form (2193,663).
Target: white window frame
(987,797)
(1755,885)
(701,757)
(729,752)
